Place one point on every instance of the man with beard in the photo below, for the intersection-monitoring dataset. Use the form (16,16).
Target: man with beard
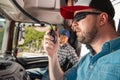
(94,25)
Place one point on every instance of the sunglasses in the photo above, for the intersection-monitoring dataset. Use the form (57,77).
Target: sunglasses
(81,15)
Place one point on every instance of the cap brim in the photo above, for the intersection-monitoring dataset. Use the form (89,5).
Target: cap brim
(68,11)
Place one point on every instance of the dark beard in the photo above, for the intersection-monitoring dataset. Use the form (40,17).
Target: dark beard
(88,37)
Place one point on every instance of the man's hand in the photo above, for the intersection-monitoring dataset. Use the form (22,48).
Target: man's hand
(50,47)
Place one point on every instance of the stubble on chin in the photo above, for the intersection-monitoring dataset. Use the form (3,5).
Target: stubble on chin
(87,38)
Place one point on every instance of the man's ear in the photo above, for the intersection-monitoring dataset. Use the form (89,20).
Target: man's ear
(103,18)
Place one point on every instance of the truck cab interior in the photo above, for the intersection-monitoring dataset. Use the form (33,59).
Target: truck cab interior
(22,27)
(18,17)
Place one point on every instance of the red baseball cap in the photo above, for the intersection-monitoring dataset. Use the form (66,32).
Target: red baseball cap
(102,5)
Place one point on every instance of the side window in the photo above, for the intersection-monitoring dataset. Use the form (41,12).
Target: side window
(30,40)
(2,26)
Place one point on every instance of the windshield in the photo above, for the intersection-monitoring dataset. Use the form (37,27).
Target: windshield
(30,41)
(2,26)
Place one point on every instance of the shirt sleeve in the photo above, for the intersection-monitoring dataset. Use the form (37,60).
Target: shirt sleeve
(71,74)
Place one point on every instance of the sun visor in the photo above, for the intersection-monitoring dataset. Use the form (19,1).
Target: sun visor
(44,11)
(50,4)
(40,3)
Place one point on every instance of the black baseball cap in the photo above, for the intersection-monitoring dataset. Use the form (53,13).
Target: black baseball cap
(102,5)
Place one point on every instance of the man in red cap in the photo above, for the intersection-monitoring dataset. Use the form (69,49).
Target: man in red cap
(94,25)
